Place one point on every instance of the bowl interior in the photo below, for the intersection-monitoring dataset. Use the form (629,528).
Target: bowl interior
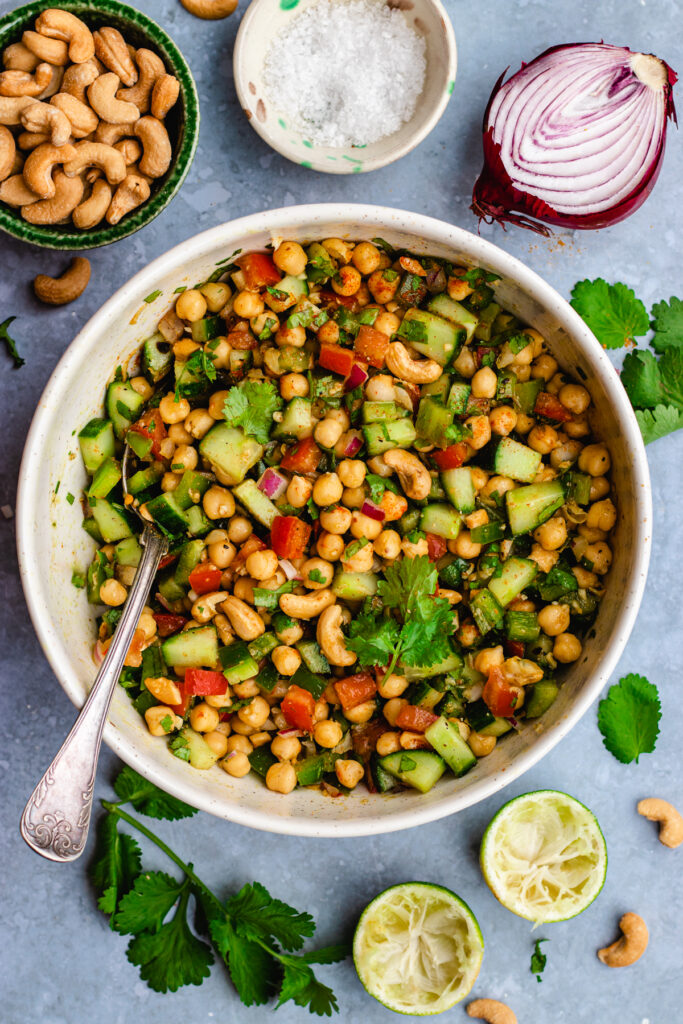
(182,121)
(265,18)
(52,542)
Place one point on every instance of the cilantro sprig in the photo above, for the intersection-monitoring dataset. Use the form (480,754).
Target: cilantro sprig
(628,718)
(10,342)
(612,311)
(251,406)
(258,937)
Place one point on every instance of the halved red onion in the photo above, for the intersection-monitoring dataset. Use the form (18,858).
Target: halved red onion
(353,445)
(372,511)
(272,483)
(289,570)
(575,138)
(356,377)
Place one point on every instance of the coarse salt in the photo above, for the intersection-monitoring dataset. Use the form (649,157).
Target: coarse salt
(345,72)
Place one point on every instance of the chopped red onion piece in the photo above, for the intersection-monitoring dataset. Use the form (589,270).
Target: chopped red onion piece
(290,732)
(272,483)
(353,446)
(289,570)
(357,376)
(372,511)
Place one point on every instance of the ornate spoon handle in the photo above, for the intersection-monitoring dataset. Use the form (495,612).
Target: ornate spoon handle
(56,818)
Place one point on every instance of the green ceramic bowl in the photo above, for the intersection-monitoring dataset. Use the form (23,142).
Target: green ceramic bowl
(182,122)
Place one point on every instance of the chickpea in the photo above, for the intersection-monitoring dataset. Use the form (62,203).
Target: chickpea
(221,700)
(293,385)
(216,294)
(484,383)
(387,323)
(361,713)
(327,490)
(465,546)
(218,742)
(383,285)
(147,623)
(489,658)
(236,763)
(112,593)
(199,423)
(290,336)
(481,431)
(346,281)
(544,367)
(567,648)
(351,472)
(600,488)
(191,305)
(414,549)
(218,503)
(142,386)
(388,545)
(584,577)
(330,546)
(321,711)
(481,746)
(542,439)
(556,383)
(392,686)
(349,772)
(317,573)
(577,427)
(240,743)
(554,619)
(524,423)
(388,743)
(172,411)
(289,634)
(599,555)
(222,553)
(261,565)
(221,353)
(328,733)
(392,709)
(255,714)
(169,482)
(552,534)
(602,515)
(459,288)
(327,432)
(341,416)
(566,453)
(545,560)
(248,304)
(215,406)
(353,497)
(366,258)
(468,634)
(285,748)
(465,364)
(204,718)
(328,333)
(183,349)
(575,398)
(186,457)
(358,559)
(244,589)
(498,485)
(239,529)
(290,258)
(503,420)
(364,526)
(281,777)
(299,490)
(161,720)
(336,520)
(178,434)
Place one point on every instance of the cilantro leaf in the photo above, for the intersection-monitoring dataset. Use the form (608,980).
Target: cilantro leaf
(172,956)
(115,864)
(658,422)
(425,635)
(655,384)
(270,599)
(667,323)
(148,798)
(641,377)
(147,904)
(251,406)
(378,485)
(10,342)
(300,984)
(612,311)
(325,955)
(405,581)
(538,960)
(251,966)
(373,638)
(628,718)
(258,915)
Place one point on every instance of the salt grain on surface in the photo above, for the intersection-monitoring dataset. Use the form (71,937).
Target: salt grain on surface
(345,72)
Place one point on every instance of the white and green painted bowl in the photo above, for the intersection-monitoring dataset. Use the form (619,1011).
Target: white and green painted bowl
(263,19)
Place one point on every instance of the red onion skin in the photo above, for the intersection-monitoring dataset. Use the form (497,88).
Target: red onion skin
(356,377)
(373,511)
(495,197)
(354,445)
(274,486)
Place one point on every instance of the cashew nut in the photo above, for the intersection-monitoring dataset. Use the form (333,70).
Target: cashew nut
(15,192)
(92,210)
(110,134)
(40,165)
(671,822)
(210,10)
(111,48)
(247,623)
(23,83)
(413,474)
(156,146)
(11,108)
(307,606)
(57,291)
(82,118)
(78,77)
(415,371)
(150,67)
(17,57)
(96,154)
(53,51)
(204,608)
(57,24)
(102,96)
(492,1011)
(131,193)
(164,95)
(331,638)
(130,150)
(68,194)
(43,117)
(55,83)
(30,140)
(632,944)
(8,151)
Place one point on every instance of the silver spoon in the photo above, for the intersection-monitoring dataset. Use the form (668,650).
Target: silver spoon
(56,818)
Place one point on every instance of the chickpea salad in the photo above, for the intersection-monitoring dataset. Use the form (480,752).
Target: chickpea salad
(388,518)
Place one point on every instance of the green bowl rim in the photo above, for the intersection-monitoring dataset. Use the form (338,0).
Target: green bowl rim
(60,238)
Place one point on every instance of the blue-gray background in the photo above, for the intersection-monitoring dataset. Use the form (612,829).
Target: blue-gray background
(61,964)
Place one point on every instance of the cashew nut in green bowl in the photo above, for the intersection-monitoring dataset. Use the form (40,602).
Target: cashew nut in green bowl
(99,122)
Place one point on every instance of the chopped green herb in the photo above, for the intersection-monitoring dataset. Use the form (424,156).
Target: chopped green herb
(70,498)
(10,342)
(166,723)
(179,748)
(312,509)
(77,579)
(407,764)
(180,290)
(316,576)
(381,244)
(251,406)
(57,487)
(270,599)
(152,296)
(538,960)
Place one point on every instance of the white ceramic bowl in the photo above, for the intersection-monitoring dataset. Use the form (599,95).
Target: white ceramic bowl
(263,19)
(51,541)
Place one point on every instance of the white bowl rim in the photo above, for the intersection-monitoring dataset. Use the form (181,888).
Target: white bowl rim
(277,222)
(371,164)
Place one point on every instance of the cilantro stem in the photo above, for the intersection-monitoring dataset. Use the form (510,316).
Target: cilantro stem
(394,660)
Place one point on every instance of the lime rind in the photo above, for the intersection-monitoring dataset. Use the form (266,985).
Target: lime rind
(418,948)
(544,856)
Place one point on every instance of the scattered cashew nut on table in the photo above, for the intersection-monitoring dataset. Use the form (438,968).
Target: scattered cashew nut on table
(331,638)
(25,83)
(40,165)
(210,10)
(492,1011)
(670,821)
(57,24)
(307,606)
(415,371)
(630,947)
(413,474)
(57,291)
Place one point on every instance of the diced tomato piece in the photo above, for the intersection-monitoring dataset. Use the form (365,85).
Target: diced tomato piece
(251,544)
(167,625)
(338,359)
(201,682)
(372,345)
(330,298)
(514,648)
(167,560)
(151,425)
(242,340)
(205,577)
(185,700)
(289,537)
(451,457)
(298,706)
(436,547)
(355,689)
(259,269)
(303,457)
(550,407)
(499,696)
(414,718)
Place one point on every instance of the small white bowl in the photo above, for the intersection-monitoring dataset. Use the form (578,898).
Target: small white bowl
(263,19)
(51,541)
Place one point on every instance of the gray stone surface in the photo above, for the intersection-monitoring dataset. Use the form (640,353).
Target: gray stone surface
(61,964)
